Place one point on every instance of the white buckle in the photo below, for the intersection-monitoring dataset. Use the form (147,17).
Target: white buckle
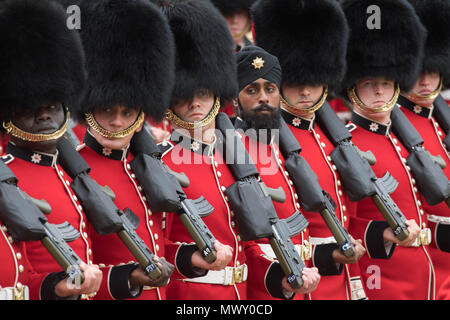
(226,277)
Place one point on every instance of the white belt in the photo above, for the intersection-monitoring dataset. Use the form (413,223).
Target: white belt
(438,219)
(319,241)
(304,251)
(226,277)
(13,293)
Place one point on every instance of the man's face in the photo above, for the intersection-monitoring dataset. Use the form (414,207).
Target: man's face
(115,119)
(375,92)
(238,22)
(426,84)
(47,119)
(196,109)
(259,104)
(302,96)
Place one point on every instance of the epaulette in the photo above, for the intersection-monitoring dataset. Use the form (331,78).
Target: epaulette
(351,127)
(8,158)
(165,147)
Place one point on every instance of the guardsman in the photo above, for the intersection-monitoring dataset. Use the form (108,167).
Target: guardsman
(418,106)
(129,79)
(313,61)
(239,22)
(37,93)
(378,66)
(259,75)
(205,76)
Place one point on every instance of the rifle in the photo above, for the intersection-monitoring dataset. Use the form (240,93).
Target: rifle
(168,195)
(311,194)
(24,219)
(426,169)
(255,214)
(357,176)
(442,115)
(101,211)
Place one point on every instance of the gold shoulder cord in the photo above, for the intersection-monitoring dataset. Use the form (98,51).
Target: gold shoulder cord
(355,100)
(294,110)
(90,119)
(432,96)
(16,132)
(172,117)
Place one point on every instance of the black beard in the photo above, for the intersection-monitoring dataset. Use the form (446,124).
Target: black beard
(263,124)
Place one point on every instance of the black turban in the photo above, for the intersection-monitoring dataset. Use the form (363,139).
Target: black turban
(253,63)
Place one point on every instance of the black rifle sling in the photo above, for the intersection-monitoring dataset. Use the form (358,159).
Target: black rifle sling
(331,125)
(253,210)
(355,172)
(431,180)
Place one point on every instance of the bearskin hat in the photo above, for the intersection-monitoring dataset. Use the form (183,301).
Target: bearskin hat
(41,60)
(130,56)
(228,7)
(204,46)
(393,50)
(435,16)
(308,37)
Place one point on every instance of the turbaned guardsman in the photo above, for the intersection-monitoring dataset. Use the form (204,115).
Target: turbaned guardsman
(381,62)
(259,119)
(205,77)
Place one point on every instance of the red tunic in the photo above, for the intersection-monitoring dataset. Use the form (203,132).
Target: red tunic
(269,162)
(209,176)
(432,135)
(409,273)
(316,148)
(112,168)
(42,178)
(15,269)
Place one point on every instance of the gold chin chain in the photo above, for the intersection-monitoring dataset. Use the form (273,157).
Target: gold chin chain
(432,96)
(294,110)
(16,132)
(90,119)
(172,117)
(356,101)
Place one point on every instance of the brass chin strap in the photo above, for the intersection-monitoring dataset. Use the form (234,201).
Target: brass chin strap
(294,110)
(432,96)
(172,117)
(16,132)
(356,101)
(109,134)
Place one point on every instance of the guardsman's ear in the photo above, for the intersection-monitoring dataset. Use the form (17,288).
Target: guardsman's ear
(236,106)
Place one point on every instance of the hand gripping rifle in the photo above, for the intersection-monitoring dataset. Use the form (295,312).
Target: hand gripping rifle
(163,188)
(310,193)
(426,169)
(24,219)
(101,211)
(255,214)
(357,176)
